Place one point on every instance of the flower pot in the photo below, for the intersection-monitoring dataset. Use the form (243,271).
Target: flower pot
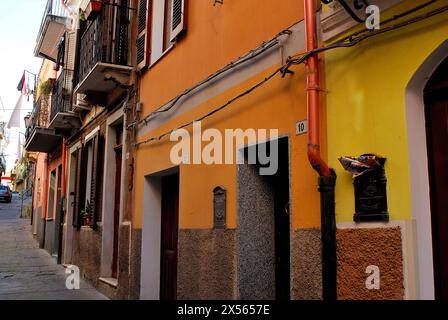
(93,9)
(86,221)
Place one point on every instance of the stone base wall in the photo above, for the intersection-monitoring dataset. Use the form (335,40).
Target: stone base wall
(207,265)
(87,245)
(360,248)
(306,265)
(87,253)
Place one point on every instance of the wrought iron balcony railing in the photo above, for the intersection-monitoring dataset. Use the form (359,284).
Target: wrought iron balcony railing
(105,39)
(62,94)
(39,116)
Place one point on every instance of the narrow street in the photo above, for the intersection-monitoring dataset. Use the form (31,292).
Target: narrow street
(27,272)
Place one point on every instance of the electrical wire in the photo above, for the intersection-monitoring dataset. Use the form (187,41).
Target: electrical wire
(265,46)
(346,42)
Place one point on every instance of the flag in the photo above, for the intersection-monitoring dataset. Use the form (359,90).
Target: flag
(15,120)
(22,84)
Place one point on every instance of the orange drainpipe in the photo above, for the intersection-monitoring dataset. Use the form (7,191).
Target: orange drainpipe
(327,177)
(312,65)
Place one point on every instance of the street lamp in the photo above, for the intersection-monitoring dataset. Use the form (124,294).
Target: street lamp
(28,121)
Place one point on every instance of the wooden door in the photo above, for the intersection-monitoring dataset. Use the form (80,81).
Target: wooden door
(437,121)
(170,229)
(436,109)
(118,163)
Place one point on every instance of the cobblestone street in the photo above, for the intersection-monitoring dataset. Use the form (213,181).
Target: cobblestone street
(27,272)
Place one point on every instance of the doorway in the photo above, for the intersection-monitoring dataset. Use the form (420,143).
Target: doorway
(117,202)
(71,203)
(264,228)
(59,217)
(169,237)
(160,231)
(436,112)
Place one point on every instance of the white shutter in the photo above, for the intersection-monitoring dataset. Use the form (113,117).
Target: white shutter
(178,18)
(70,59)
(143,34)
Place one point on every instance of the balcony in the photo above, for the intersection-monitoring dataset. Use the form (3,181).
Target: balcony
(104,52)
(54,24)
(62,118)
(39,138)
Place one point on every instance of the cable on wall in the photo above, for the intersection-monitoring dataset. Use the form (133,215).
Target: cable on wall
(349,41)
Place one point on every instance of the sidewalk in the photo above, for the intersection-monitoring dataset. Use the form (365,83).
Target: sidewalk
(27,272)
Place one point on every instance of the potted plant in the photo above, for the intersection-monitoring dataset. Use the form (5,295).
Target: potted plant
(93,9)
(85,213)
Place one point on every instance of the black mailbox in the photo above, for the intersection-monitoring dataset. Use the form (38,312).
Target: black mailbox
(371,196)
(370,187)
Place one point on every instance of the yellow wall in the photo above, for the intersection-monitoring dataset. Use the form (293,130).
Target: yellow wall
(366,105)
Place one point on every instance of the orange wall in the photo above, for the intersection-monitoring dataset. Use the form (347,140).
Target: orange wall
(53,166)
(279,104)
(40,190)
(216,35)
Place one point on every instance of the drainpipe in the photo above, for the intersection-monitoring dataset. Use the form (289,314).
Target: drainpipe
(327,177)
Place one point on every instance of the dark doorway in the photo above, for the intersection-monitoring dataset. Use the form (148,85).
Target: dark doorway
(170,231)
(280,182)
(58,221)
(264,228)
(117,202)
(436,108)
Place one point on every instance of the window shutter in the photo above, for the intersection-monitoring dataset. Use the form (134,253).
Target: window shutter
(143,50)
(70,59)
(178,18)
(98,151)
(70,50)
(76,200)
(81,192)
(75,219)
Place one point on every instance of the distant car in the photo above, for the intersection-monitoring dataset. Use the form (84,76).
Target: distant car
(5,194)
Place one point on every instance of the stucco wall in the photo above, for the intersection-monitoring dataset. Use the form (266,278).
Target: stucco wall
(358,249)
(207,265)
(366,106)
(306,265)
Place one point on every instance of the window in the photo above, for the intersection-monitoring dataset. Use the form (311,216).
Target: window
(90,162)
(160,24)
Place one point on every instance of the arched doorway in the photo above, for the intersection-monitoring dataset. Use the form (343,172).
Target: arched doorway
(436,113)
(421,268)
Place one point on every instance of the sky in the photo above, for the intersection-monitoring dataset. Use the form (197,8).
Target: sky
(19,26)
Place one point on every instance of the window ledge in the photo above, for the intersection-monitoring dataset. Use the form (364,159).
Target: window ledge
(109,281)
(162,56)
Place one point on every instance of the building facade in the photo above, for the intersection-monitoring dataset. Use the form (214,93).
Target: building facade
(209,150)
(379,97)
